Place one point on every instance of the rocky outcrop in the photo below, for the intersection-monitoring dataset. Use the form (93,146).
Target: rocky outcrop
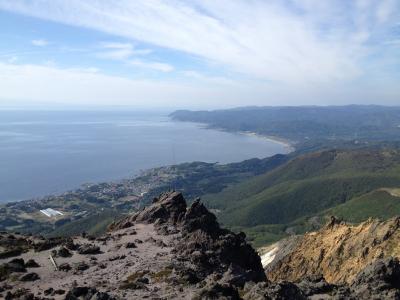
(338,251)
(203,248)
(380,279)
(173,251)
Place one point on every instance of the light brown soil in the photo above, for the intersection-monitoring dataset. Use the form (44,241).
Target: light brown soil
(147,260)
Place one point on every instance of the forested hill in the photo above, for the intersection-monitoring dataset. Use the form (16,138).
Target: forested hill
(306,123)
(297,196)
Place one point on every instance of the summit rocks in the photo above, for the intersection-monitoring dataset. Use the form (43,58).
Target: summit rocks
(202,248)
(170,250)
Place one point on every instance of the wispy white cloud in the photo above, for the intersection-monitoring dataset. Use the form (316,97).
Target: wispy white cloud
(309,50)
(290,41)
(72,86)
(40,43)
(89,86)
(151,65)
(120,51)
(126,51)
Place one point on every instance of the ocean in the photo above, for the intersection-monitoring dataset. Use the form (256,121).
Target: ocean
(47,152)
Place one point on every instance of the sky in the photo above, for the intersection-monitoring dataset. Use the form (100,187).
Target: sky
(199,53)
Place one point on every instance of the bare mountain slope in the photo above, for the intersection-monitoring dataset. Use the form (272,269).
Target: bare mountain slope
(338,251)
(171,251)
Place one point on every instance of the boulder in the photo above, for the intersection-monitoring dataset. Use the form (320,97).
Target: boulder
(29,277)
(64,252)
(89,249)
(32,264)
(84,292)
(16,265)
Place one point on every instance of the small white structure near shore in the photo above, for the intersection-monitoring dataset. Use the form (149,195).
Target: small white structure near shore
(49,212)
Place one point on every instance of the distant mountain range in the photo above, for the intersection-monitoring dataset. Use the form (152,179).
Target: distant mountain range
(306,125)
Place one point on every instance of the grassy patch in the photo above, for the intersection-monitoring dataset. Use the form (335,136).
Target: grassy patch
(161,275)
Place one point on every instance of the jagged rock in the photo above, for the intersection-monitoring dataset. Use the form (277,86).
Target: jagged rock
(89,249)
(380,279)
(337,246)
(332,222)
(218,251)
(29,277)
(215,263)
(170,207)
(64,252)
(197,217)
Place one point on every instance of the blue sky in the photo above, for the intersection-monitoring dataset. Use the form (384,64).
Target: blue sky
(199,54)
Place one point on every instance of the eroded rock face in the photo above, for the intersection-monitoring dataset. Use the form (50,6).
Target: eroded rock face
(203,248)
(168,208)
(338,251)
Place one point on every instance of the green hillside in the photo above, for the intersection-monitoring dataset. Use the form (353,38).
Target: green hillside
(376,204)
(95,224)
(312,185)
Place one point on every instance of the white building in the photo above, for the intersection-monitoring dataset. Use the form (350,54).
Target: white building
(49,212)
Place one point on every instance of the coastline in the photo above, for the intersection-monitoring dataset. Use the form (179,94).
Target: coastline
(289,145)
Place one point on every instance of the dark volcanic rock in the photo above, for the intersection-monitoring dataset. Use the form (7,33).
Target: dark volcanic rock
(81,266)
(212,249)
(218,291)
(89,249)
(169,207)
(281,291)
(29,277)
(64,267)
(130,245)
(380,279)
(315,285)
(10,253)
(16,265)
(70,245)
(64,252)
(83,292)
(197,217)
(32,264)
(204,248)
(47,244)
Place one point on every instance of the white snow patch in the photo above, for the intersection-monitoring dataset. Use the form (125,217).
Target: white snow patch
(269,256)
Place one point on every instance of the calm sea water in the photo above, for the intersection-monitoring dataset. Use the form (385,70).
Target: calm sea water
(50,152)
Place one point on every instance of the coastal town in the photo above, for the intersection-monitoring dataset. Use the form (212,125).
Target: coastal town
(91,200)
(93,206)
